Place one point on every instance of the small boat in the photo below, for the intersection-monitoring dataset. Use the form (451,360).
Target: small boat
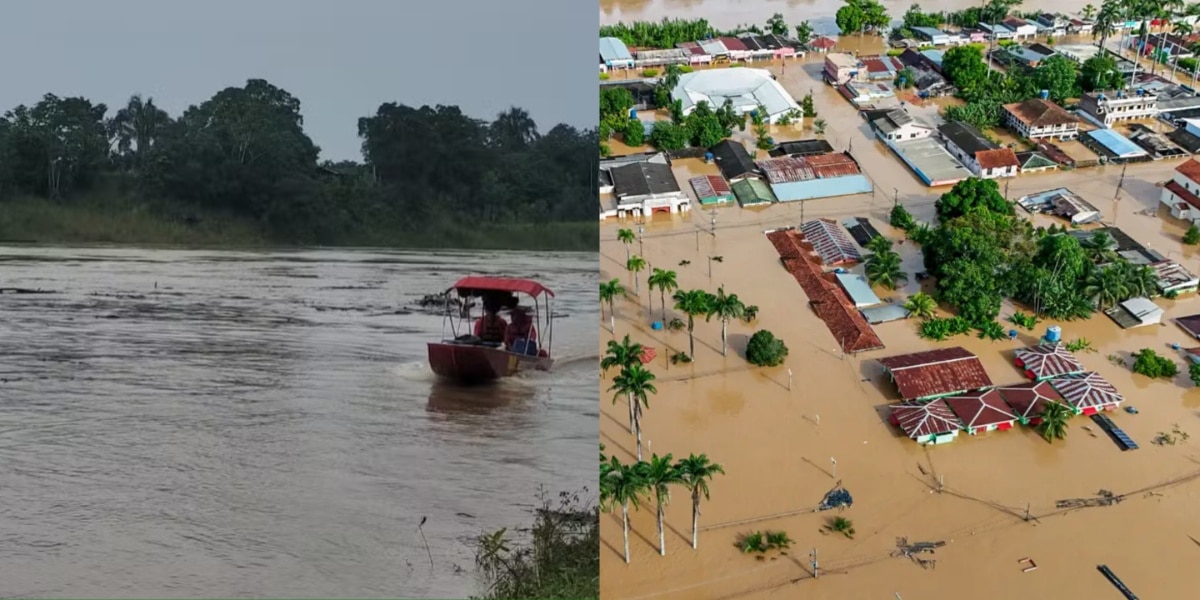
(471,355)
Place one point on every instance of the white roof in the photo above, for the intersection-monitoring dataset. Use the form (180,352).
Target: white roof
(613,49)
(746,88)
(1142,308)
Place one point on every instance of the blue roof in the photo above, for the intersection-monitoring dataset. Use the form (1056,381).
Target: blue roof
(1117,143)
(930,31)
(934,55)
(858,289)
(613,49)
(847,185)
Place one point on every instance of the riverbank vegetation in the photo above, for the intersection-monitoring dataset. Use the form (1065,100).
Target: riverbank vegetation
(981,253)
(559,557)
(239,169)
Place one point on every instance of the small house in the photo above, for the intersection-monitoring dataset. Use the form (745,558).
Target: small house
(614,54)
(734,161)
(1047,361)
(1021,28)
(1173,278)
(1190,324)
(897,125)
(645,188)
(711,189)
(980,155)
(1135,312)
(982,411)
(1029,400)
(1087,393)
(1040,118)
(822,44)
(936,373)
(1181,195)
(997,32)
(928,423)
(842,68)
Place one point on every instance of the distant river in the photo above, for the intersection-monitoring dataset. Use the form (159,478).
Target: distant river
(243,424)
(727,14)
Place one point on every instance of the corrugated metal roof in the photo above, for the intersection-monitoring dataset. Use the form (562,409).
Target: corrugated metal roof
(831,243)
(924,419)
(936,372)
(1048,360)
(884,313)
(710,187)
(613,49)
(1088,390)
(858,289)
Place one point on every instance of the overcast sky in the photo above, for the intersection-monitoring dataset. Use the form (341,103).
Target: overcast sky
(341,58)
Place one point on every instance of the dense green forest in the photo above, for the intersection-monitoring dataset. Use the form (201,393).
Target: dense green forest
(238,169)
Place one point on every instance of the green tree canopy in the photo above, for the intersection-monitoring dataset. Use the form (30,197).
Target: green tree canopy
(972,193)
(1100,73)
(1059,76)
(964,67)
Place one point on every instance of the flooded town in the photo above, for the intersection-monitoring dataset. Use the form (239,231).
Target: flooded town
(902,309)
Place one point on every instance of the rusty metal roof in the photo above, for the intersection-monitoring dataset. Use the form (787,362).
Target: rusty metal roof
(936,372)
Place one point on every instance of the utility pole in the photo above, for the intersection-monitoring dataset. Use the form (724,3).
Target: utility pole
(1006,182)
(833,461)
(1117,194)
(1027,511)
(896,197)
(814,563)
(641,248)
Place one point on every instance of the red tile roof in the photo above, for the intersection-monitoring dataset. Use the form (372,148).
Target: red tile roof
(1048,360)
(834,164)
(692,47)
(920,420)
(1088,390)
(1028,400)
(822,42)
(981,409)
(733,44)
(828,301)
(1190,169)
(936,372)
(648,355)
(1182,193)
(998,158)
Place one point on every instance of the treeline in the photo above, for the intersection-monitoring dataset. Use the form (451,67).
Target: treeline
(429,175)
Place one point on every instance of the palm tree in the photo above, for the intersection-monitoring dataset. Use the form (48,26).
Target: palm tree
(665,281)
(879,245)
(884,269)
(1100,247)
(1088,11)
(609,290)
(634,265)
(725,307)
(135,128)
(843,526)
(694,473)
(625,488)
(920,305)
(622,355)
(1111,13)
(660,474)
(1106,287)
(692,303)
(1140,280)
(1054,421)
(626,236)
(514,129)
(819,126)
(635,382)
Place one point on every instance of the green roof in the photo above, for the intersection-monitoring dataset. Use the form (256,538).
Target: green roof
(753,191)
(1037,161)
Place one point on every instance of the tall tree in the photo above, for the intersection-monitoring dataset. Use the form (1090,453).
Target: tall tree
(135,128)
(660,474)
(692,303)
(695,472)
(725,307)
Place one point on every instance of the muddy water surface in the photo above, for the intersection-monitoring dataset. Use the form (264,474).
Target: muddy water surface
(227,424)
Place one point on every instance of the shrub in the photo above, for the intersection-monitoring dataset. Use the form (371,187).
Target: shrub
(604,77)
(901,218)
(1149,363)
(1024,320)
(766,350)
(992,331)
(939,329)
(680,358)
(750,313)
(1192,237)
(648,73)
(685,69)
(1194,373)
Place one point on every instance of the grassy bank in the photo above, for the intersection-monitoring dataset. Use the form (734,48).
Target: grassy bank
(127,221)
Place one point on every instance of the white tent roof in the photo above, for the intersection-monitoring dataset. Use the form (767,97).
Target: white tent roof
(746,88)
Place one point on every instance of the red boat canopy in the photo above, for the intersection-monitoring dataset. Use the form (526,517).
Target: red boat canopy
(469,285)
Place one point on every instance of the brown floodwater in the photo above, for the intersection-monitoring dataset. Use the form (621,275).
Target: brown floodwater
(777,444)
(179,423)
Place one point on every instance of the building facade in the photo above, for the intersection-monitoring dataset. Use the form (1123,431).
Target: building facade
(1108,108)
(1038,118)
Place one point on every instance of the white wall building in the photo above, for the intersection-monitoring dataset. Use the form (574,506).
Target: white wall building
(747,89)
(1181,194)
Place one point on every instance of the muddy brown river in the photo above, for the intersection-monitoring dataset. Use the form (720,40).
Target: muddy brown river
(264,424)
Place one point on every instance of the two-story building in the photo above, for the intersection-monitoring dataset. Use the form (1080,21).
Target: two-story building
(1080,26)
(982,157)
(1107,108)
(842,68)
(997,32)
(1038,118)
(1021,28)
(1181,195)
(1052,24)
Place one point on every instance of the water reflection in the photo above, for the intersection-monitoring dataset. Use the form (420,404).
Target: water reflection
(453,398)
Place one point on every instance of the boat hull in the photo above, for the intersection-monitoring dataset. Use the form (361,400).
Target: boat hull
(477,364)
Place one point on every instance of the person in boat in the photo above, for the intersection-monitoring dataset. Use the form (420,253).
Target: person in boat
(491,327)
(521,335)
